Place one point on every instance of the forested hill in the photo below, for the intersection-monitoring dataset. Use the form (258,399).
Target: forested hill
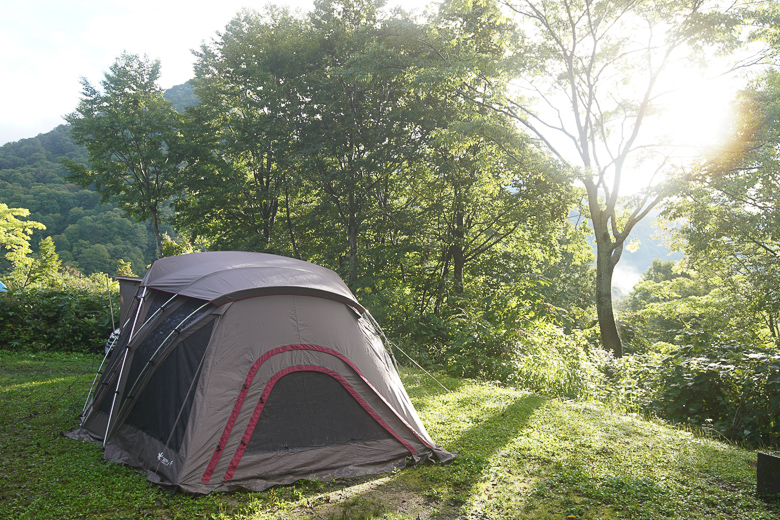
(181,96)
(89,235)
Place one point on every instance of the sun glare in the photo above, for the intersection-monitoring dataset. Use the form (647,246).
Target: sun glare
(696,113)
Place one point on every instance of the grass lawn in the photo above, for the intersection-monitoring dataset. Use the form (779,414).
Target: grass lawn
(521,456)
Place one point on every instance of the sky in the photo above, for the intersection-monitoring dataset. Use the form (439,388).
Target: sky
(46,46)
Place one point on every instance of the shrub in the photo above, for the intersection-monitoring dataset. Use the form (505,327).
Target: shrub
(550,362)
(726,387)
(71,315)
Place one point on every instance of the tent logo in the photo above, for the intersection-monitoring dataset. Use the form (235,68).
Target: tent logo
(163,460)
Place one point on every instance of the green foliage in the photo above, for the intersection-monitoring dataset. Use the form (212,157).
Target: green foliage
(32,177)
(482,332)
(70,313)
(735,392)
(570,277)
(676,304)
(15,233)
(131,134)
(731,207)
(171,247)
(705,357)
(729,388)
(553,363)
(241,162)
(124,268)
(43,268)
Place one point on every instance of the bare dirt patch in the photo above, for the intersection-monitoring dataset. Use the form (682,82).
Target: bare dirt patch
(373,498)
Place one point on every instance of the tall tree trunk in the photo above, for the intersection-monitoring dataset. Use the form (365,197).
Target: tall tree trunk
(269,220)
(606,259)
(157,236)
(458,258)
(293,243)
(352,237)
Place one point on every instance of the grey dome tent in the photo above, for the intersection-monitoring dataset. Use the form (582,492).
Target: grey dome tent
(248,370)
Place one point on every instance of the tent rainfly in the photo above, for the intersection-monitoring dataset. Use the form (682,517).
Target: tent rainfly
(248,370)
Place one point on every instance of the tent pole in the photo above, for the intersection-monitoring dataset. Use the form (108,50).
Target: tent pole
(122,369)
(110,304)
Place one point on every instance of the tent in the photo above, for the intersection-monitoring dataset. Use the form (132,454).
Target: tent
(248,370)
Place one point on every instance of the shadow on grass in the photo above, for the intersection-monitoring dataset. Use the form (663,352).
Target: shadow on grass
(481,442)
(433,490)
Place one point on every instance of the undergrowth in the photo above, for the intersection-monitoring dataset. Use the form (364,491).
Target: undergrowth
(520,456)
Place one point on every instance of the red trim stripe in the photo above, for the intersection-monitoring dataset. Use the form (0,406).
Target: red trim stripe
(248,381)
(264,398)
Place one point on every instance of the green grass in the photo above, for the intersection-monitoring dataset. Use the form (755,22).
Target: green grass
(521,456)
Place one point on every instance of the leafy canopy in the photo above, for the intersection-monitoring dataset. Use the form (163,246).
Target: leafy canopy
(131,134)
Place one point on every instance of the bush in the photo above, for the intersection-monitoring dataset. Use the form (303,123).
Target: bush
(726,387)
(72,315)
(550,362)
(729,388)
(471,336)
(507,333)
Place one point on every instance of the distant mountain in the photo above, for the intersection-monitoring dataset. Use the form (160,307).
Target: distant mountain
(182,96)
(89,235)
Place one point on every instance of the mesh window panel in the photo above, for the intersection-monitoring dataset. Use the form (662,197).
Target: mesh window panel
(311,409)
(105,389)
(155,300)
(104,395)
(153,344)
(172,389)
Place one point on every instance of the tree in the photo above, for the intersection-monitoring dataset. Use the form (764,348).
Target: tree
(478,201)
(42,267)
(322,126)
(15,233)
(484,183)
(131,134)
(570,276)
(595,67)
(241,162)
(363,129)
(730,209)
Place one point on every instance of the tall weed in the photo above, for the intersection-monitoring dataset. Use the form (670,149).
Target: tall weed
(548,361)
